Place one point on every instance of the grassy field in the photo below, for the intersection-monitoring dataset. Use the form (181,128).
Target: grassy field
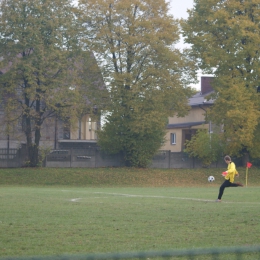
(49,211)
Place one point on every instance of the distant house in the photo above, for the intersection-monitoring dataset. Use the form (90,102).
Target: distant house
(180,129)
(55,133)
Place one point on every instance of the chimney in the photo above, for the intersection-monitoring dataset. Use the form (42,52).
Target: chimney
(205,85)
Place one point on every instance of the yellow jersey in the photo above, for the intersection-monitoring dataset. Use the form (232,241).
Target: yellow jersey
(231,172)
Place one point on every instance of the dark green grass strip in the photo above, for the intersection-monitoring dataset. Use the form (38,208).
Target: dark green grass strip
(239,251)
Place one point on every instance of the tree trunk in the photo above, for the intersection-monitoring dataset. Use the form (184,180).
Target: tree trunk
(33,147)
(245,159)
(33,155)
(28,134)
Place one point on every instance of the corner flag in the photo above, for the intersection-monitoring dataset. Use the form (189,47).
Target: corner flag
(248,165)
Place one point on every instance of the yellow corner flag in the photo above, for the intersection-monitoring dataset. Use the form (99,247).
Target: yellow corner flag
(248,165)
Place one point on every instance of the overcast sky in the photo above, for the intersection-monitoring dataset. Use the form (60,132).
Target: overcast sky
(179,8)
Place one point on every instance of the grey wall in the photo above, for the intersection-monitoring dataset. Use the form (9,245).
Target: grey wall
(93,157)
(167,159)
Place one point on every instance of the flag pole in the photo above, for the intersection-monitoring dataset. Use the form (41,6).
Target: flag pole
(246,175)
(248,165)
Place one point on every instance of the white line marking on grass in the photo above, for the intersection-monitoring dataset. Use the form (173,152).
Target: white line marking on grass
(75,200)
(177,198)
(150,196)
(78,199)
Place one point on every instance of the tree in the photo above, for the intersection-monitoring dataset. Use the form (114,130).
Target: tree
(133,40)
(42,64)
(207,147)
(225,41)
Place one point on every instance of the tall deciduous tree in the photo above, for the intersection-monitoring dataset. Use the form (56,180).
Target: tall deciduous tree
(225,38)
(133,40)
(42,64)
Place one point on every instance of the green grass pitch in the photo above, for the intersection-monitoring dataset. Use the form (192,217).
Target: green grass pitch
(46,216)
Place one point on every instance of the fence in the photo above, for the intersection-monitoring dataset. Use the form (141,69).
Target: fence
(10,157)
(227,253)
(89,158)
(170,160)
(94,157)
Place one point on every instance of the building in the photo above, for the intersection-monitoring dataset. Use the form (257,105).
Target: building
(55,133)
(180,129)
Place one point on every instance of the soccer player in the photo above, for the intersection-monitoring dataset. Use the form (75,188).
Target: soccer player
(229,177)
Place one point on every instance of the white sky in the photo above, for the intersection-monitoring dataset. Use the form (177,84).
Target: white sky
(179,8)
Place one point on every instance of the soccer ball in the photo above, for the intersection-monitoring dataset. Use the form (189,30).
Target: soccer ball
(211,179)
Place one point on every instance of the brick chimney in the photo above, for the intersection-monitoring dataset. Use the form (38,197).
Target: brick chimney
(205,85)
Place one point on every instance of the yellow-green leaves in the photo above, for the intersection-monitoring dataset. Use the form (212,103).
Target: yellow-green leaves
(225,38)
(134,43)
(208,147)
(46,71)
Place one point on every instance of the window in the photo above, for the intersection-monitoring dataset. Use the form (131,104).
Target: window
(173,138)
(66,129)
